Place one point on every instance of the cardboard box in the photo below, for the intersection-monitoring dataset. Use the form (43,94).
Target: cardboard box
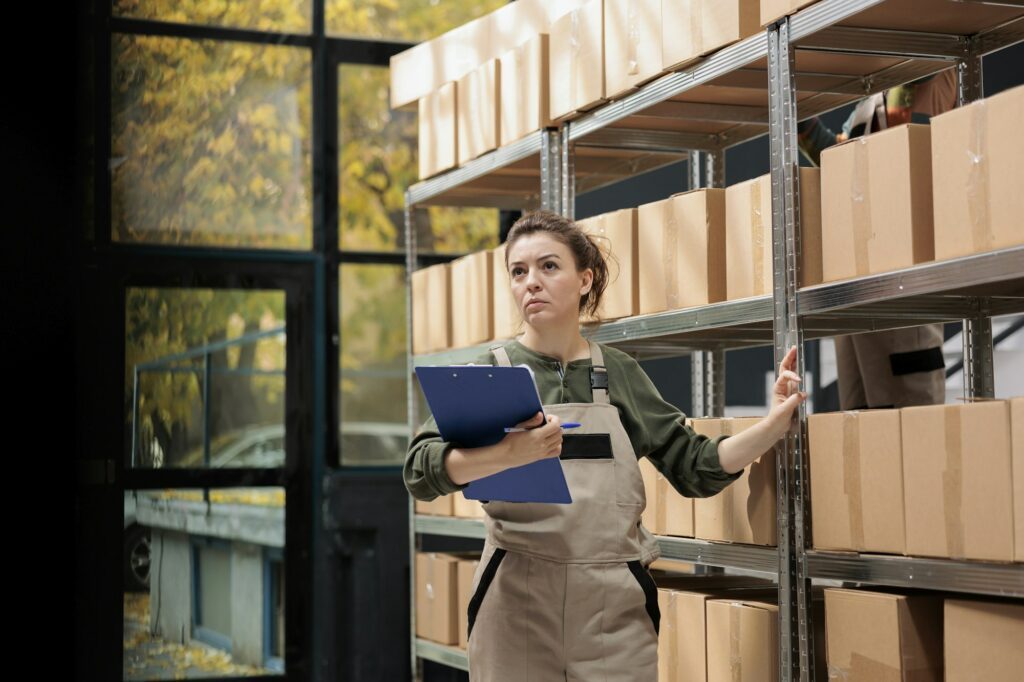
(438,141)
(856,467)
(524,103)
(677,509)
(958,481)
(1017,448)
(724,22)
(742,640)
(424,67)
(745,510)
(439,506)
(472,296)
(632,44)
(776,9)
(466,509)
(983,641)
(653,516)
(466,572)
(616,236)
(436,598)
(431,319)
(681,641)
(479,116)
(876,203)
(748,235)
(879,636)
(577,60)
(977,163)
(682,246)
(507,320)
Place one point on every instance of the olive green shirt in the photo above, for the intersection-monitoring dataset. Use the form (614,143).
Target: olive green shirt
(656,428)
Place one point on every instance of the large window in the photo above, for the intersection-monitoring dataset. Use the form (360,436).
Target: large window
(412,20)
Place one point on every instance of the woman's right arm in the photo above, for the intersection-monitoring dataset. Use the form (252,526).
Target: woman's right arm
(434,467)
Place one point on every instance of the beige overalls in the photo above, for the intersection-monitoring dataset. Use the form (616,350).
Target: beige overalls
(562,591)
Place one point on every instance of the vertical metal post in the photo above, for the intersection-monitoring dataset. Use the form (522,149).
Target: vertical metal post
(207,410)
(410,267)
(796,659)
(714,169)
(708,385)
(550,161)
(695,175)
(977,331)
(568,174)
(135,412)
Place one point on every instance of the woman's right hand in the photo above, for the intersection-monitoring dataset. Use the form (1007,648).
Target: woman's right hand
(536,442)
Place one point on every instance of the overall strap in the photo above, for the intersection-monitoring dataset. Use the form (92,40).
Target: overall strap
(502,355)
(598,374)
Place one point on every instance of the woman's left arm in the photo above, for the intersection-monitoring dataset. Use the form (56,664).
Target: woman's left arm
(737,452)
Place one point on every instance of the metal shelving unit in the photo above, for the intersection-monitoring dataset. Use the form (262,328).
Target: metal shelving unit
(823,57)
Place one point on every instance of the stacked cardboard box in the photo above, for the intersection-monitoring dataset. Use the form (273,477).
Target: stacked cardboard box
(507,320)
(771,10)
(691,28)
(437,598)
(577,61)
(667,512)
(616,236)
(524,103)
(983,641)
(431,319)
(472,299)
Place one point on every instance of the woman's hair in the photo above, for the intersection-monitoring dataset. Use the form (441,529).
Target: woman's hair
(584,250)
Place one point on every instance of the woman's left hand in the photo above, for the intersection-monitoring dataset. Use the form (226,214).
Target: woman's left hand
(785,395)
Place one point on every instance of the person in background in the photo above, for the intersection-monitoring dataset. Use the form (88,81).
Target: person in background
(899,367)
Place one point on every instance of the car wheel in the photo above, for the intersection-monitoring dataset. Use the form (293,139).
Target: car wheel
(136,557)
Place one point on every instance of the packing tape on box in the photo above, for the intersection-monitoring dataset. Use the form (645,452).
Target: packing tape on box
(851,478)
(952,483)
(977,179)
(735,657)
(633,47)
(861,203)
(669,244)
(757,237)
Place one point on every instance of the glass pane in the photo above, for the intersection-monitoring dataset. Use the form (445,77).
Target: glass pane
(174,340)
(267,15)
(374,425)
(377,163)
(412,20)
(204,585)
(210,143)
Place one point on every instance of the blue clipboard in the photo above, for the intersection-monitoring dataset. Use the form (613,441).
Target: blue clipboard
(472,405)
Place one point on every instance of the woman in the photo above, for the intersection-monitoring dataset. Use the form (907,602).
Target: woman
(562,592)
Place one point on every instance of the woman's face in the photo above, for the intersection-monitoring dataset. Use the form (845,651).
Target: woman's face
(545,282)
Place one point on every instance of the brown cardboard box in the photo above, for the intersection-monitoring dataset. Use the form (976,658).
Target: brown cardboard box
(632,44)
(431,300)
(1017,447)
(876,203)
(524,89)
(957,481)
(423,68)
(856,466)
(616,236)
(466,572)
(682,246)
(745,510)
(680,33)
(678,510)
(438,142)
(466,509)
(748,235)
(507,320)
(479,114)
(977,163)
(681,640)
(724,22)
(652,517)
(742,640)
(983,641)
(472,297)
(436,598)
(881,636)
(577,60)
(776,9)
(440,506)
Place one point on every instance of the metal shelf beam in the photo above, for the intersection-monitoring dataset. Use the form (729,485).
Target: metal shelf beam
(439,653)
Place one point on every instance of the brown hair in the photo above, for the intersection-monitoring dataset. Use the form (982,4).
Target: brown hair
(585,252)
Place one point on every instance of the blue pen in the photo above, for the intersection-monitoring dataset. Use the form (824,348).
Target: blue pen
(567,425)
